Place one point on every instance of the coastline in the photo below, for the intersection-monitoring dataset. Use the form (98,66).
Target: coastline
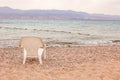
(4,43)
(63,63)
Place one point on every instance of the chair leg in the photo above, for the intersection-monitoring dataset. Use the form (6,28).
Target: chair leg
(24,56)
(40,59)
(40,51)
(44,52)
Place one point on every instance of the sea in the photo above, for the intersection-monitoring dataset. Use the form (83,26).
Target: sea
(61,32)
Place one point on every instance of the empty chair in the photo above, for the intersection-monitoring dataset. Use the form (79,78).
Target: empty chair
(32,47)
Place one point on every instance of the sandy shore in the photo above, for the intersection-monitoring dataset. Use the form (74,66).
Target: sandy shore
(63,63)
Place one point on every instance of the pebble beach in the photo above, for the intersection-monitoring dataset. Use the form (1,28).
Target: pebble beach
(62,63)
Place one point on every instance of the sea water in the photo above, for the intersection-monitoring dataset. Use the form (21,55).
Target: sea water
(77,32)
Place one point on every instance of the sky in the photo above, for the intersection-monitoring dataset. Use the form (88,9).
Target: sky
(111,7)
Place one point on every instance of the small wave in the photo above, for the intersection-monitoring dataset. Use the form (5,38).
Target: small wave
(62,43)
(51,31)
(95,43)
(84,43)
(115,41)
(15,28)
(83,34)
(68,32)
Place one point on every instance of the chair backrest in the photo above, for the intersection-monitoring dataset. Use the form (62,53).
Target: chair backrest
(31,44)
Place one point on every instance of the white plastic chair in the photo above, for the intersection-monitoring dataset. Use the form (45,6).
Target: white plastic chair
(32,47)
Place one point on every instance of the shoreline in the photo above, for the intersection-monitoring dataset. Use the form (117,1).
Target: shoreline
(15,43)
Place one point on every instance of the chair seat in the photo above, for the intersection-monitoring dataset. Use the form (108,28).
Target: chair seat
(32,55)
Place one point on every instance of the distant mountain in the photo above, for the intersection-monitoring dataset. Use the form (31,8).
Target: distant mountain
(9,13)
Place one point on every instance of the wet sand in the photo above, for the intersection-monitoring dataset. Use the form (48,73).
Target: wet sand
(63,63)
